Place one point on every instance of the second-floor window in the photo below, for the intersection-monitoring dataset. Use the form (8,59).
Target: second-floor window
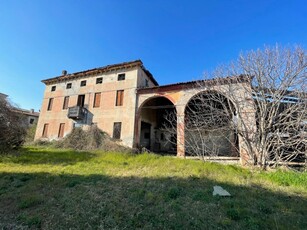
(97,100)
(68,86)
(119,97)
(53,88)
(65,103)
(83,83)
(50,103)
(81,99)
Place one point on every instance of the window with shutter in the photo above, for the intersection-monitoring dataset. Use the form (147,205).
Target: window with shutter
(50,104)
(119,97)
(61,130)
(45,130)
(97,100)
(66,101)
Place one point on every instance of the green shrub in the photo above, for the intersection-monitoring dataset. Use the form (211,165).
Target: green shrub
(29,138)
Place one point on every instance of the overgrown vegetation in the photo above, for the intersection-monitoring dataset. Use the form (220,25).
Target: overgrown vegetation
(61,189)
(12,128)
(91,139)
(30,134)
(259,99)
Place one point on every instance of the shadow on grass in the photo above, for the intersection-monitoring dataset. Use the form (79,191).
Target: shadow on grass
(42,200)
(32,155)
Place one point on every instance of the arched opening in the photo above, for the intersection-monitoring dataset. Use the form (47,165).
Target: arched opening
(156,116)
(210,126)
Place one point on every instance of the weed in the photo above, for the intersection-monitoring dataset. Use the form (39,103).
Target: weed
(173,193)
(31,221)
(43,187)
(233,214)
(30,201)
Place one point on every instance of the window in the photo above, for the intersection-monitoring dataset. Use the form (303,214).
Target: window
(50,104)
(68,86)
(97,100)
(81,99)
(99,80)
(121,77)
(61,130)
(83,83)
(146,83)
(31,120)
(65,103)
(53,88)
(45,130)
(117,127)
(119,97)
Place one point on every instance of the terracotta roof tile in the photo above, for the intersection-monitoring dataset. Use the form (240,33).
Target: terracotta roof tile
(104,69)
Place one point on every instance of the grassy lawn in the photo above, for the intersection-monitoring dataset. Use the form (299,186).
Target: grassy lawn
(61,189)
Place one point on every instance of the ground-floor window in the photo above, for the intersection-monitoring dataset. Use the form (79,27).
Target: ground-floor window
(61,130)
(45,130)
(117,127)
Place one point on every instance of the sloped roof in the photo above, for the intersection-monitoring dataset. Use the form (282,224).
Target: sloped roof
(104,69)
(26,112)
(191,84)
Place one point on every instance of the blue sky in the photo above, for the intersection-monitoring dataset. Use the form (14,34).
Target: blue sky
(176,40)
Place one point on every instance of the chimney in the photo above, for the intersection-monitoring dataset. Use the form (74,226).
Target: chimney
(32,110)
(64,72)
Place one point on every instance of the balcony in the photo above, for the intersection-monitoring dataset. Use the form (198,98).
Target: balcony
(76,113)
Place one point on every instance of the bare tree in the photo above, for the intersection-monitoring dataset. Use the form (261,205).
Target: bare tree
(12,127)
(208,129)
(273,130)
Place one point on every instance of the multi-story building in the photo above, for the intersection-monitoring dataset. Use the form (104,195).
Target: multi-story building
(126,101)
(104,96)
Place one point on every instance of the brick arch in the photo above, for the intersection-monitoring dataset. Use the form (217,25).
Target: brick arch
(153,97)
(233,142)
(209,91)
(138,117)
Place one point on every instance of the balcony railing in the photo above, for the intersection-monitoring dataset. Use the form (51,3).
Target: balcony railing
(76,112)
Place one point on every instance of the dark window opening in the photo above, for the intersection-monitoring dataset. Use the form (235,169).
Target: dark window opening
(66,101)
(53,88)
(31,120)
(146,83)
(97,100)
(119,97)
(117,127)
(83,83)
(81,99)
(99,80)
(50,104)
(121,77)
(68,86)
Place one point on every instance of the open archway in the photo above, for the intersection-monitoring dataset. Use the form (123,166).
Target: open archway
(154,123)
(210,130)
